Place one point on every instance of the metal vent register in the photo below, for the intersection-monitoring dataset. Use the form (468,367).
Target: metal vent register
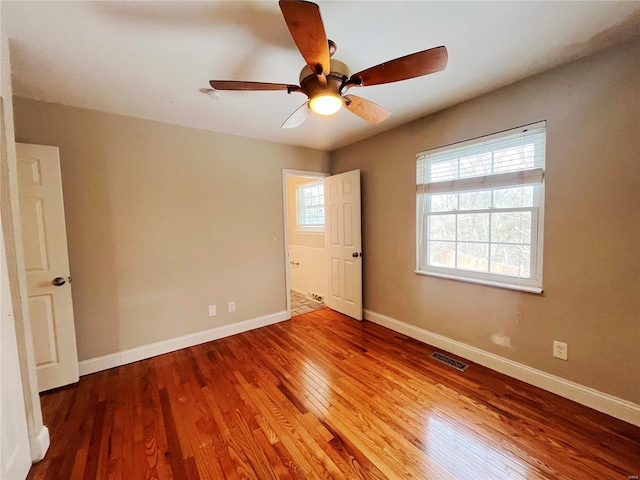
(450,361)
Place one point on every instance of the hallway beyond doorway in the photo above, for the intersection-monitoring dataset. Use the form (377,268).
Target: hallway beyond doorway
(301,304)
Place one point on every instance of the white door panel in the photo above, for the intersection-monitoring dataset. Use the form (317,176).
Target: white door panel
(343,243)
(45,251)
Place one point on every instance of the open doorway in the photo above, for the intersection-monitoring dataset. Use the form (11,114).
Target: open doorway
(305,266)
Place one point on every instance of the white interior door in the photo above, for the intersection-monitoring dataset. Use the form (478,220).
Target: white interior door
(47,264)
(343,243)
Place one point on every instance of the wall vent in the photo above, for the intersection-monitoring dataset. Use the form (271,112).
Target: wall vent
(450,361)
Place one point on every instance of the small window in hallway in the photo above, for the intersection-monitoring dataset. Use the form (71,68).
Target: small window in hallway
(310,207)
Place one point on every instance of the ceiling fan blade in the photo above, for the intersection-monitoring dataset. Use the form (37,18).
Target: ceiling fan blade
(297,117)
(403,68)
(366,109)
(306,27)
(234,85)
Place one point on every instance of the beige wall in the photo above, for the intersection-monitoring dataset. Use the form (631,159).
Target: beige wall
(164,220)
(313,240)
(591,272)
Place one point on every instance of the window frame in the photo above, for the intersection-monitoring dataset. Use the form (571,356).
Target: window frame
(300,208)
(491,182)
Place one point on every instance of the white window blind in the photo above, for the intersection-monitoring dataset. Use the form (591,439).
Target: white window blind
(310,207)
(480,209)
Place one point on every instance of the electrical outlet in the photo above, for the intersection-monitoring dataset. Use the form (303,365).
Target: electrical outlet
(560,350)
(212,310)
(232,306)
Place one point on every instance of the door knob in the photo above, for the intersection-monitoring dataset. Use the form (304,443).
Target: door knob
(356,254)
(58,281)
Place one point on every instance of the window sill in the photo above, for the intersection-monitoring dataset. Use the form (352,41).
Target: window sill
(310,232)
(479,281)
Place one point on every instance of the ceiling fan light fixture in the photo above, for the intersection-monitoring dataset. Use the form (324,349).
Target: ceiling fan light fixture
(325,104)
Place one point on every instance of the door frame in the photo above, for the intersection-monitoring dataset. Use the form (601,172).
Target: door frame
(14,404)
(17,286)
(285,203)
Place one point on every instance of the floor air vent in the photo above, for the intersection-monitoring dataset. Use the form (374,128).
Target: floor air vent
(315,297)
(450,361)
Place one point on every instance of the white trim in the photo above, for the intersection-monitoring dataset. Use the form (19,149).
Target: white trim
(603,402)
(40,444)
(480,281)
(131,355)
(303,173)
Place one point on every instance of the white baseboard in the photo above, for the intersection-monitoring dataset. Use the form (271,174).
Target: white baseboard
(124,357)
(605,403)
(40,445)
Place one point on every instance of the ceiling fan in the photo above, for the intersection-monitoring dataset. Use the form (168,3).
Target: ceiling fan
(326,81)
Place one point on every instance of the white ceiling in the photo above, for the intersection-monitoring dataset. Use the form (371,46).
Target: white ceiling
(154,59)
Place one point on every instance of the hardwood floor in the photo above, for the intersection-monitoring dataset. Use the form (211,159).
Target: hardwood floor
(323,396)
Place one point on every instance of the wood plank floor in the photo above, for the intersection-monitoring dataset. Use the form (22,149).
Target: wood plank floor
(323,396)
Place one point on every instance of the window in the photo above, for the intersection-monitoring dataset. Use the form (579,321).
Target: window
(480,210)
(310,207)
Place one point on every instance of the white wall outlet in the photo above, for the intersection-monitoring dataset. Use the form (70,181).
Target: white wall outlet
(212,310)
(560,350)
(232,306)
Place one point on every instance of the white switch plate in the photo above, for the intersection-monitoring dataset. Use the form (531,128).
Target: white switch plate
(232,306)
(212,310)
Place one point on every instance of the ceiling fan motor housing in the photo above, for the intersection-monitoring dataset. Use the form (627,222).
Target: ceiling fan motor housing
(311,85)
